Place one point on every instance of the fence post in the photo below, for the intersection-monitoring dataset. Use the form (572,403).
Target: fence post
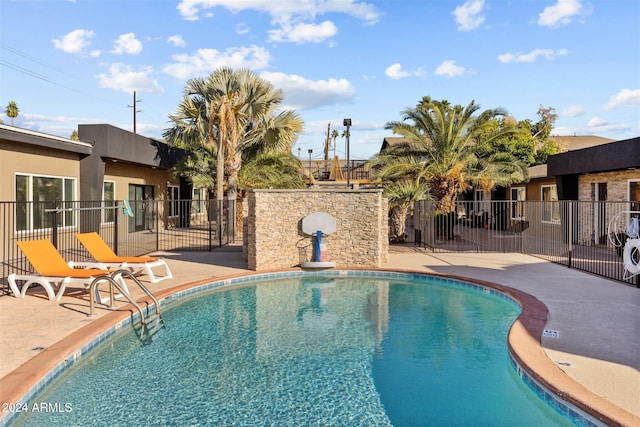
(570,231)
(116,222)
(155,215)
(220,215)
(54,225)
(210,226)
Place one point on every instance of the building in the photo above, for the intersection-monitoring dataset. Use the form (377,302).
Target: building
(107,164)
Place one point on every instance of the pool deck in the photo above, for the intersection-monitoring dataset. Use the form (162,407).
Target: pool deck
(593,323)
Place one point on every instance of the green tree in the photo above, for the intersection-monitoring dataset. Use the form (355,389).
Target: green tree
(399,171)
(529,142)
(12,111)
(442,138)
(74,135)
(230,112)
(402,195)
(271,169)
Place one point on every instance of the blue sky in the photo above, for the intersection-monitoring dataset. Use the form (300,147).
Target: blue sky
(76,62)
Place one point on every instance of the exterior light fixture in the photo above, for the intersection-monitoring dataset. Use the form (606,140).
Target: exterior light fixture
(347,123)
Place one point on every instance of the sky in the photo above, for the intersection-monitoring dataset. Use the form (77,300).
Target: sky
(71,62)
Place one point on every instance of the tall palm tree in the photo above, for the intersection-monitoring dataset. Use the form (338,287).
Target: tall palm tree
(334,135)
(443,137)
(231,111)
(12,110)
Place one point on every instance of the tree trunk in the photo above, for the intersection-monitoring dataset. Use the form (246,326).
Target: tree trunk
(445,193)
(398,218)
(233,167)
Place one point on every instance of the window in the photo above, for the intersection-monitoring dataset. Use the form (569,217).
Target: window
(197,205)
(36,196)
(550,204)
(634,195)
(174,198)
(108,201)
(518,196)
(478,205)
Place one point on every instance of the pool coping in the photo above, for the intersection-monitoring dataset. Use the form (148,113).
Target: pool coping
(524,343)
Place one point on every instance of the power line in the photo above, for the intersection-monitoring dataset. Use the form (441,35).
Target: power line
(33,58)
(36,75)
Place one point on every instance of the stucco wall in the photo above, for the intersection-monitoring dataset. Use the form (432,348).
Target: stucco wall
(17,158)
(274,237)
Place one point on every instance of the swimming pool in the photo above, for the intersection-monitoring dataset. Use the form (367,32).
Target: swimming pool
(299,349)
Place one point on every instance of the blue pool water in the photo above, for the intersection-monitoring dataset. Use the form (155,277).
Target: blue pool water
(311,350)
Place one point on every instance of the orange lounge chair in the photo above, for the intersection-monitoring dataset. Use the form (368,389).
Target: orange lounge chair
(52,271)
(106,258)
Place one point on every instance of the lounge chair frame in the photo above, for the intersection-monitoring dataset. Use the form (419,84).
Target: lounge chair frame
(54,274)
(105,258)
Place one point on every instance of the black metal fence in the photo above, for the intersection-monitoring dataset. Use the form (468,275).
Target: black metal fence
(129,228)
(589,236)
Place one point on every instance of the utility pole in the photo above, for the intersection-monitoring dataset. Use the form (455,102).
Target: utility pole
(135,110)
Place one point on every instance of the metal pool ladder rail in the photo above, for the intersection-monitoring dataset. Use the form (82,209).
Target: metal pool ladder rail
(113,282)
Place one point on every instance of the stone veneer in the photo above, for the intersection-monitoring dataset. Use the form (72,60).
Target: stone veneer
(274,237)
(617,184)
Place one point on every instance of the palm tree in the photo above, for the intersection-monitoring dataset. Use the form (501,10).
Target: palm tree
(402,195)
(334,135)
(443,138)
(12,110)
(232,111)
(271,169)
(345,133)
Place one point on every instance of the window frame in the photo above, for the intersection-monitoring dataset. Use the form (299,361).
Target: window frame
(550,208)
(634,205)
(108,205)
(517,203)
(479,202)
(173,200)
(197,203)
(69,217)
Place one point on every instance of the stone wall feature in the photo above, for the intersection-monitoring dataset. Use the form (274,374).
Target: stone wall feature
(274,237)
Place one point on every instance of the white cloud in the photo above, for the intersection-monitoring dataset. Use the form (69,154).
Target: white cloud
(395,72)
(572,111)
(624,98)
(449,68)
(205,61)
(126,79)
(74,42)
(561,13)
(469,16)
(532,56)
(304,94)
(127,43)
(301,33)
(176,40)
(284,10)
(598,125)
(596,121)
(293,21)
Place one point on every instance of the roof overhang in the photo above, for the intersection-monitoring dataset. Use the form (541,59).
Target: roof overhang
(615,156)
(26,136)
